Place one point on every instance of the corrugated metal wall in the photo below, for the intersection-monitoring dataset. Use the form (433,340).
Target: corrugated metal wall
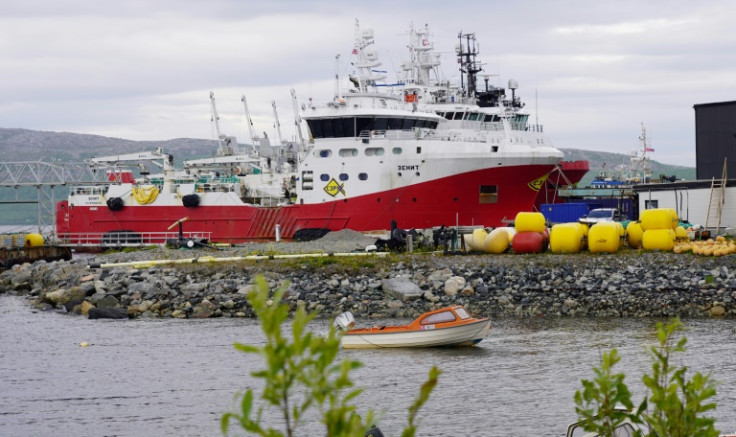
(715,139)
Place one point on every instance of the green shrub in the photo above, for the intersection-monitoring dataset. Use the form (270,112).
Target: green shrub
(675,407)
(301,373)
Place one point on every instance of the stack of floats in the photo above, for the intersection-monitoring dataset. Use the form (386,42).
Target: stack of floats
(656,229)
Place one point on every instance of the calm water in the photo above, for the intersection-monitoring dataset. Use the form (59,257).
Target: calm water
(177,377)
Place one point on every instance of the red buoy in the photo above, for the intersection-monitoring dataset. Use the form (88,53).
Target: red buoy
(527,242)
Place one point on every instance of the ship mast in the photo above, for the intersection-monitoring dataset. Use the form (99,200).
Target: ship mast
(468,65)
(367,59)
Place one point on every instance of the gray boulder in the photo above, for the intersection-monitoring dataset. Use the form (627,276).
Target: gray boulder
(401,288)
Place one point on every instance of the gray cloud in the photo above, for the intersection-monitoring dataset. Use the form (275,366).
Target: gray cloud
(143,70)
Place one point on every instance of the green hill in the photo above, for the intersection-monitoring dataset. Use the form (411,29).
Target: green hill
(605,161)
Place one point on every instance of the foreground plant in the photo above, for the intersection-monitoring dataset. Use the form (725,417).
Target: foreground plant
(301,373)
(678,405)
(598,403)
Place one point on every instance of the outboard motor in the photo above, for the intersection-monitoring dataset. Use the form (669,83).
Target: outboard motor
(345,321)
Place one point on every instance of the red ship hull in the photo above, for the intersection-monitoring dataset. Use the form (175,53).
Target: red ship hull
(447,201)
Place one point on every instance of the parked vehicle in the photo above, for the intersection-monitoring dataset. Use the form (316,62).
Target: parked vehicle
(602,215)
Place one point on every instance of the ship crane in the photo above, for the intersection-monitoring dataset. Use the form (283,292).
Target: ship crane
(254,138)
(276,122)
(224,143)
(135,159)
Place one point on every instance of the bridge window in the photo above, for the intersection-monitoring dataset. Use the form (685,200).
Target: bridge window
(353,126)
(396,150)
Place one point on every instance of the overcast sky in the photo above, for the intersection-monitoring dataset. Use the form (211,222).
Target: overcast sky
(143,70)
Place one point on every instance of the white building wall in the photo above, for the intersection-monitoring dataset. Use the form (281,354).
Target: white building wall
(692,204)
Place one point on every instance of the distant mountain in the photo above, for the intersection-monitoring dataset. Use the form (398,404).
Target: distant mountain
(611,162)
(29,145)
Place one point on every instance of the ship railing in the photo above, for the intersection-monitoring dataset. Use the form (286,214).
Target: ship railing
(391,134)
(496,126)
(124,238)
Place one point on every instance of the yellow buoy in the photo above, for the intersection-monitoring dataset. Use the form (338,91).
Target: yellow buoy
(468,240)
(661,218)
(681,233)
(529,222)
(497,241)
(675,221)
(621,230)
(604,237)
(83,344)
(479,236)
(566,238)
(33,240)
(634,232)
(658,239)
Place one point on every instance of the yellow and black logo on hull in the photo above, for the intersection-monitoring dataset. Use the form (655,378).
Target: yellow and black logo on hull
(536,184)
(333,188)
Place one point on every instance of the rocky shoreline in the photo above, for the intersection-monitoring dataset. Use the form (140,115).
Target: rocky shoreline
(627,284)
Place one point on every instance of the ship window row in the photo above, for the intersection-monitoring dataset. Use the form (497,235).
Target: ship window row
(351,152)
(486,118)
(353,126)
(324,177)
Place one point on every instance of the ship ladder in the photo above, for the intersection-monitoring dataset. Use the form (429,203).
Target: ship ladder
(717,200)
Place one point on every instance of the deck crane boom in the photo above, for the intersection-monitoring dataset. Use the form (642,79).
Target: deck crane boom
(254,139)
(297,122)
(224,143)
(278,125)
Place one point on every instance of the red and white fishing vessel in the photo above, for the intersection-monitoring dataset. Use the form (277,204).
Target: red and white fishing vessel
(375,154)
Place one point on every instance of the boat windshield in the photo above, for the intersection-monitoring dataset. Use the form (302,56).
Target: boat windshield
(462,313)
(443,317)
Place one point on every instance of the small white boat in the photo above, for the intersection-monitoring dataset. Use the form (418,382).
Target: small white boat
(451,326)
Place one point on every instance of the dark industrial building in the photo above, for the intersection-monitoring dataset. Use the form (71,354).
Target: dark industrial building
(715,139)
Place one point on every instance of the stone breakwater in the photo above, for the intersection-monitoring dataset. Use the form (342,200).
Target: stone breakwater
(627,284)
